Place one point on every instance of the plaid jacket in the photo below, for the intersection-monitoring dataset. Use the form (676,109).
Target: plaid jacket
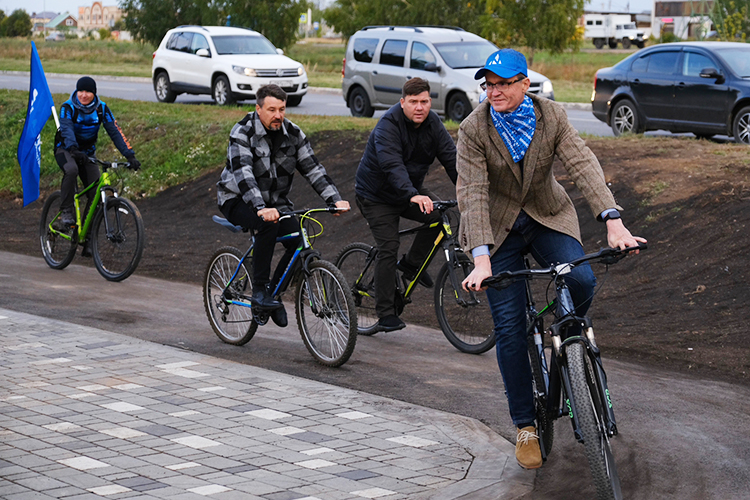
(262,180)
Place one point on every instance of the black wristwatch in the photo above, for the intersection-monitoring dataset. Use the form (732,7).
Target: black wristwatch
(611,214)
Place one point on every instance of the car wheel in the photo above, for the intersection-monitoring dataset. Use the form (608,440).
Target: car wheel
(612,44)
(222,92)
(741,127)
(626,43)
(640,44)
(293,100)
(359,103)
(624,118)
(598,43)
(459,107)
(161,88)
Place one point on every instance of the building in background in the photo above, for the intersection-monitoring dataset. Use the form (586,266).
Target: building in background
(63,22)
(39,20)
(98,16)
(686,19)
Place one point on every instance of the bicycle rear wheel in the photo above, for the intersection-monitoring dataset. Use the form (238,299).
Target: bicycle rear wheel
(58,244)
(117,244)
(232,323)
(465,318)
(353,263)
(326,316)
(589,410)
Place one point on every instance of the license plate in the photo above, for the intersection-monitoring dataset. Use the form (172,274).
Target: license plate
(282,83)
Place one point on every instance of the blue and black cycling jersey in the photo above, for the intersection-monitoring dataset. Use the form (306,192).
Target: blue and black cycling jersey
(79,126)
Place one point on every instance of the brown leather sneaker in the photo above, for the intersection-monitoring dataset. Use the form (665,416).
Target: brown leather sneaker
(528,453)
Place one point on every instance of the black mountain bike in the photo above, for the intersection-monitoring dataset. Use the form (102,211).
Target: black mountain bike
(464,317)
(576,384)
(326,317)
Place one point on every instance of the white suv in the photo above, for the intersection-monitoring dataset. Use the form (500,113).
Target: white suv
(230,64)
(379,60)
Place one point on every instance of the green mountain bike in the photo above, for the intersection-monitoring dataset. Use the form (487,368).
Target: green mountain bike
(110,228)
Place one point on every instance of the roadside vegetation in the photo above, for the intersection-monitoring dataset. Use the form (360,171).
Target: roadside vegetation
(572,73)
(174,142)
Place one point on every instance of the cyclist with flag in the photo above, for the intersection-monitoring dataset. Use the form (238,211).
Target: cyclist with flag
(81,117)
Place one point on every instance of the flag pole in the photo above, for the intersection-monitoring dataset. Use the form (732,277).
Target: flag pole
(57,120)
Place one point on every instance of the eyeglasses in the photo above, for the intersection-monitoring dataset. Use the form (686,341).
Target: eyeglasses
(500,86)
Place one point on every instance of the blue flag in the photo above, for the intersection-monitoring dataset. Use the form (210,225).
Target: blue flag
(37,114)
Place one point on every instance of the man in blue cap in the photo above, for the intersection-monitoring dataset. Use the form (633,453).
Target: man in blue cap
(511,204)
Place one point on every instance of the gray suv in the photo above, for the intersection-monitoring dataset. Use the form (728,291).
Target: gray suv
(379,59)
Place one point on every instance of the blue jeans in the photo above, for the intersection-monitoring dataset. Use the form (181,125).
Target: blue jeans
(508,306)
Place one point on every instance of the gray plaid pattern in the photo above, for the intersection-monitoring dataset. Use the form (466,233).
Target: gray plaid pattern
(265,181)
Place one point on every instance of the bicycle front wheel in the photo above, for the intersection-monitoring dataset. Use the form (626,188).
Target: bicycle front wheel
(232,323)
(465,318)
(58,243)
(326,316)
(359,271)
(117,239)
(587,406)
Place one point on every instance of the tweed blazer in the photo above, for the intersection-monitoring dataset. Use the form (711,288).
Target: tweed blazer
(491,189)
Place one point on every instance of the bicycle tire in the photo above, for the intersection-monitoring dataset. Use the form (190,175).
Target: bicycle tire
(233,324)
(545,424)
(351,260)
(117,253)
(587,407)
(58,251)
(326,316)
(468,327)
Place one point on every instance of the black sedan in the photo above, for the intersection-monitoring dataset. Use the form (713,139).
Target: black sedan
(698,87)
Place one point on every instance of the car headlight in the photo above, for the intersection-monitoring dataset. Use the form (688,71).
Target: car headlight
(546,87)
(244,71)
(301,71)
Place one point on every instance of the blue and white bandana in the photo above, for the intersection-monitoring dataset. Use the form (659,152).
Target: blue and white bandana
(516,128)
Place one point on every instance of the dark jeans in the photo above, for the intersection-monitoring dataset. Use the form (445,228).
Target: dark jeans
(239,213)
(384,224)
(89,174)
(508,306)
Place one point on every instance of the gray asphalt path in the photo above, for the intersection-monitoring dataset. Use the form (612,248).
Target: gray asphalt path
(680,437)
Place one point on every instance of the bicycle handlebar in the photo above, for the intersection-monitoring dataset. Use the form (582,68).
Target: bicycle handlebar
(606,256)
(110,164)
(305,211)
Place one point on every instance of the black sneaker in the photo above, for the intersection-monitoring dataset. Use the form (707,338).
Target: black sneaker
(67,219)
(279,316)
(262,297)
(390,323)
(409,272)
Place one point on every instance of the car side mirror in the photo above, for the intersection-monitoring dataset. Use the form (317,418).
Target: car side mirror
(712,73)
(202,53)
(280,51)
(431,66)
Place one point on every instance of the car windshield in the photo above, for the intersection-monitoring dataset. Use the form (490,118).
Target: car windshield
(459,55)
(243,44)
(738,59)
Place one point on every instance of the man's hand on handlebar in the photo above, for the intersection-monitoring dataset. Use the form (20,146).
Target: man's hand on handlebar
(619,237)
(423,202)
(482,270)
(268,214)
(343,206)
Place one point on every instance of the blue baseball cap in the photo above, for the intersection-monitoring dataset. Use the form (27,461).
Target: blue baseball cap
(505,63)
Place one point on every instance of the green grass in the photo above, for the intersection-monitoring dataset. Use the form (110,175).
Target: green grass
(572,73)
(174,142)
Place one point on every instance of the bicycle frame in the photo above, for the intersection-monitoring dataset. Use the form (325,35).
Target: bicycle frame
(445,239)
(299,261)
(562,308)
(103,185)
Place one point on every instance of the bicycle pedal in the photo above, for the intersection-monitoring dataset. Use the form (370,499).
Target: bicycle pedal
(261,317)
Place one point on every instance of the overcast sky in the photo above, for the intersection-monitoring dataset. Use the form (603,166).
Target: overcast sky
(71,6)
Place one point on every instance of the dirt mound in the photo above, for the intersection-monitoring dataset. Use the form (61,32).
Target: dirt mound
(674,306)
